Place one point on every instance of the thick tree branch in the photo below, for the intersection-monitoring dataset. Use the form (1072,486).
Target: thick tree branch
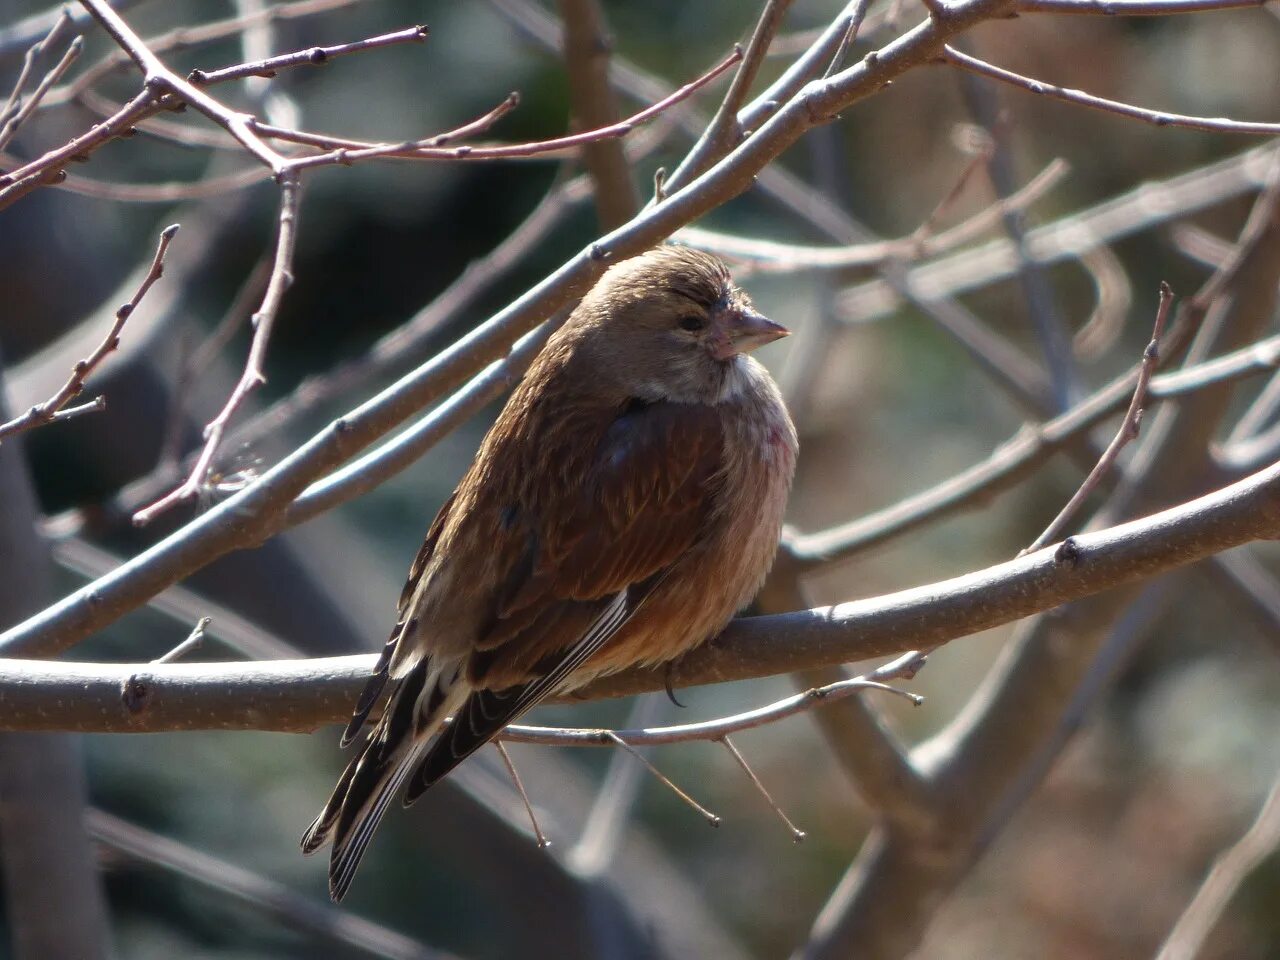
(301,695)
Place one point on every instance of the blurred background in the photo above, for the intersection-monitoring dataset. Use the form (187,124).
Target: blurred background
(1174,754)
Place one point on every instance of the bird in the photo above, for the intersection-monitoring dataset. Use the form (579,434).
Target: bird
(626,503)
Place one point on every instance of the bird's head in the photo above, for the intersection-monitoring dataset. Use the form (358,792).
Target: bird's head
(671,325)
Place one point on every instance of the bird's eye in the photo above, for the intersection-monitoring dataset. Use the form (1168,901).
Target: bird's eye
(693,323)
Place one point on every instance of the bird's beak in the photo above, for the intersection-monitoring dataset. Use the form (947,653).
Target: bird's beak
(742,330)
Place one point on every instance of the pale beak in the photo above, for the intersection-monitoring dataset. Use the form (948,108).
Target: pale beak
(741,331)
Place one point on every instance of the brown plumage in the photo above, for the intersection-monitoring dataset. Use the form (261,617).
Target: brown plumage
(624,505)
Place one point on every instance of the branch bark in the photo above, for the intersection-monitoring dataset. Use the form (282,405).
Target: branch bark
(300,695)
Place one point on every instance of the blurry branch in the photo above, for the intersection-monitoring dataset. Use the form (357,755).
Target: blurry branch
(1191,931)
(1201,245)
(256,512)
(170,192)
(1127,433)
(771,256)
(22,34)
(300,695)
(15,110)
(55,408)
(180,604)
(254,374)
(724,132)
(1251,581)
(53,901)
(185,37)
(995,751)
(1114,295)
(1024,452)
(56,29)
(347,152)
(1159,118)
(321,920)
(312,56)
(1043,314)
(586,53)
(1068,237)
(1133,8)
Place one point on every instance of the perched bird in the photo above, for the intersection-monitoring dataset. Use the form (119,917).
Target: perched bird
(626,503)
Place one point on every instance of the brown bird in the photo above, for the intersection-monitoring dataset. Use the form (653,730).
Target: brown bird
(626,503)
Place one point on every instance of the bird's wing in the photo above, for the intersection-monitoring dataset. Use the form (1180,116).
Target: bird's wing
(376,684)
(601,529)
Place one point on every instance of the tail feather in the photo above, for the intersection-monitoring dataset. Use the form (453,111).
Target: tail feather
(416,711)
(318,833)
(356,826)
(475,723)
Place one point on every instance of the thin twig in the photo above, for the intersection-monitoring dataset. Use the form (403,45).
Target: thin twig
(710,817)
(538,835)
(48,168)
(11,121)
(1127,433)
(313,56)
(1229,871)
(1133,8)
(49,410)
(724,132)
(159,79)
(771,256)
(14,103)
(1159,118)
(426,150)
(797,835)
(183,38)
(1022,453)
(254,374)
(194,641)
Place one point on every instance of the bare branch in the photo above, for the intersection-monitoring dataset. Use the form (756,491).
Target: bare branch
(194,641)
(300,695)
(724,132)
(254,374)
(12,117)
(53,408)
(1022,453)
(1230,870)
(797,835)
(1127,433)
(1134,8)
(49,168)
(539,837)
(610,736)
(426,150)
(313,56)
(160,80)
(1157,117)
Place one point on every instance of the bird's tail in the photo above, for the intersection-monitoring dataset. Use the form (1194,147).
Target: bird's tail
(415,713)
